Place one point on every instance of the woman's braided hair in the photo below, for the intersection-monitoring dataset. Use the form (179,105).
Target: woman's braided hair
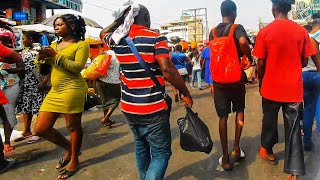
(283,6)
(76,25)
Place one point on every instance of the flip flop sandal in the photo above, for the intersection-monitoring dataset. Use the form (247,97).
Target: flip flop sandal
(225,168)
(62,163)
(271,162)
(8,149)
(22,138)
(108,123)
(65,174)
(238,157)
(33,139)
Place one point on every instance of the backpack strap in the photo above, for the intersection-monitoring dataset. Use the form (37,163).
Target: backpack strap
(226,29)
(233,28)
(214,33)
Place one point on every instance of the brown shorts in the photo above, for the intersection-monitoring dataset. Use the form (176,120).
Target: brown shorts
(110,94)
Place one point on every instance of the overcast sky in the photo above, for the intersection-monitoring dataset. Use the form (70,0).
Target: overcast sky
(163,11)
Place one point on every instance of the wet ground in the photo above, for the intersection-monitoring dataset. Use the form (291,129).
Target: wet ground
(108,154)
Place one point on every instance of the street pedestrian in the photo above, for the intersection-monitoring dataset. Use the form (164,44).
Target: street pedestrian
(143,102)
(32,86)
(196,70)
(311,86)
(282,49)
(66,57)
(9,56)
(109,89)
(205,59)
(12,72)
(229,93)
(180,61)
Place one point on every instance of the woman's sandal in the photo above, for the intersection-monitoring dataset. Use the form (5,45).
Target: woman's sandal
(22,138)
(65,174)
(33,139)
(108,123)
(62,163)
(228,167)
(7,149)
(238,156)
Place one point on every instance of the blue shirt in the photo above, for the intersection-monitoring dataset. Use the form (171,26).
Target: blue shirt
(179,60)
(44,41)
(206,53)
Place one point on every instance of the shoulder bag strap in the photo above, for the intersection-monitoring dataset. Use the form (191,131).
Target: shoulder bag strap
(145,66)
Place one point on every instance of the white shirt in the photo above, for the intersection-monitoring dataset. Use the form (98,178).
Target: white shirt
(196,64)
(311,66)
(113,73)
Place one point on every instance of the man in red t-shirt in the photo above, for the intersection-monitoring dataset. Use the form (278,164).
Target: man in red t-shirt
(9,56)
(282,48)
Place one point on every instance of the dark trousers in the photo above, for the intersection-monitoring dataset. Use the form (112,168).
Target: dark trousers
(292,112)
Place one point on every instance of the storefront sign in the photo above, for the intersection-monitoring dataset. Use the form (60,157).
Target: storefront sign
(20,16)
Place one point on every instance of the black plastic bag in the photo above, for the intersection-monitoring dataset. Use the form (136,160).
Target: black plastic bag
(91,101)
(194,134)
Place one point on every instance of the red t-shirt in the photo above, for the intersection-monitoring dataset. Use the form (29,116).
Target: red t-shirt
(4,52)
(282,44)
(3,98)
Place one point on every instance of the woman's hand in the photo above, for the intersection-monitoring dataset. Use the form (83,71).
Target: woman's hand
(47,52)
(42,86)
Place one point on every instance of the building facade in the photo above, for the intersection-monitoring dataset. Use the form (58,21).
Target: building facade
(34,11)
(186,28)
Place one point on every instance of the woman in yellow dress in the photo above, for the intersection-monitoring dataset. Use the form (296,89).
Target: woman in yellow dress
(67,57)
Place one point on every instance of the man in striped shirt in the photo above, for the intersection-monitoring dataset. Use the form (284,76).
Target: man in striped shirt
(145,108)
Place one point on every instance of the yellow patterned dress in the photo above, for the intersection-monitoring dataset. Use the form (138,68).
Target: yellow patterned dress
(67,95)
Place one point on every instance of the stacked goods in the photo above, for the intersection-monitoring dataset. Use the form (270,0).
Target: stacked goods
(184,45)
(193,45)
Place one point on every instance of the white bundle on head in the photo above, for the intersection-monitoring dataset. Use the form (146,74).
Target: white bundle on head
(124,29)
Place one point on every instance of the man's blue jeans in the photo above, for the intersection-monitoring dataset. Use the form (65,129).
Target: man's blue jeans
(153,144)
(311,86)
(198,74)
